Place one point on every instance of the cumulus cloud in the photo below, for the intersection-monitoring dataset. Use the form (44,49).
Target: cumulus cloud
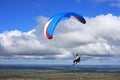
(100,36)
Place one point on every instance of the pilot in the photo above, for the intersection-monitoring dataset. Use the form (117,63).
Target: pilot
(76,60)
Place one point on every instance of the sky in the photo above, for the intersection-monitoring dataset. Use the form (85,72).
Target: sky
(22,26)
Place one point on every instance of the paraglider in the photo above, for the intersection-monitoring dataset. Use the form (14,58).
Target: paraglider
(52,22)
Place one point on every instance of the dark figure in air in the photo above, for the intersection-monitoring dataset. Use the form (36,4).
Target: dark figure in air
(76,60)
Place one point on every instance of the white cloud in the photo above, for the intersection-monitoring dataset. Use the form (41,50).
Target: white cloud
(115,3)
(100,36)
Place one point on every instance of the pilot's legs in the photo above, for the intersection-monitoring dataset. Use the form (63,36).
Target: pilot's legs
(74,62)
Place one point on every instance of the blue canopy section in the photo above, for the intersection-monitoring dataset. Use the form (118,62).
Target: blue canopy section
(55,20)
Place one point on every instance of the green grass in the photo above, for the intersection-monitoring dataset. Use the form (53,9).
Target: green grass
(29,74)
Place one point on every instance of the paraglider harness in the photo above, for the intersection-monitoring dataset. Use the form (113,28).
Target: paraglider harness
(76,60)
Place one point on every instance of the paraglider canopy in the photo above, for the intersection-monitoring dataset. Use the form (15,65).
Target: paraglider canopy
(51,24)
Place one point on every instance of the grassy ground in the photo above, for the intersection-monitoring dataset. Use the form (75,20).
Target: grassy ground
(29,74)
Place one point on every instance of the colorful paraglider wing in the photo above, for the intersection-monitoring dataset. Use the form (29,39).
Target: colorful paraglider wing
(51,24)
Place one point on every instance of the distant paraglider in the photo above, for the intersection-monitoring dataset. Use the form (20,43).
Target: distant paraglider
(51,24)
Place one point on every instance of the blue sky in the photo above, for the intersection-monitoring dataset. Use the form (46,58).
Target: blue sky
(22,14)
(21,32)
